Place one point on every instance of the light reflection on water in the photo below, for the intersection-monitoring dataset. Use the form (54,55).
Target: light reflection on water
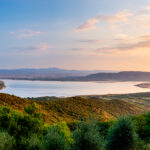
(25,88)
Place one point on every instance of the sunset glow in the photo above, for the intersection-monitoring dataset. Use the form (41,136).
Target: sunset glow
(75,34)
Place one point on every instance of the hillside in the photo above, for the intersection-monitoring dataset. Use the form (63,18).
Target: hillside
(117,76)
(121,76)
(74,108)
(141,100)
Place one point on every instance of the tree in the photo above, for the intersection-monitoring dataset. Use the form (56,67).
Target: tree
(121,135)
(7,142)
(58,138)
(33,110)
(87,137)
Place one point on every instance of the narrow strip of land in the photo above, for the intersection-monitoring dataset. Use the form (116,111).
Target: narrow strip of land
(2,85)
(143,85)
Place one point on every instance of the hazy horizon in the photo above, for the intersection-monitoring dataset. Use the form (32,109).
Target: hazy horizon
(72,69)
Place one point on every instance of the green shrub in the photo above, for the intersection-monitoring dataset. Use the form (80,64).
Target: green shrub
(33,110)
(142,145)
(143,125)
(87,137)
(7,142)
(122,135)
(33,143)
(72,125)
(18,124)
(103,128)
(146,147)
(54,141)
(58,138)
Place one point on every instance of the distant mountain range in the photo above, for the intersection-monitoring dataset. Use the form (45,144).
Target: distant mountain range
(46,73)
(56,74)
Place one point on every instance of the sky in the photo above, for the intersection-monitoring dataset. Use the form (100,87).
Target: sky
(75,34)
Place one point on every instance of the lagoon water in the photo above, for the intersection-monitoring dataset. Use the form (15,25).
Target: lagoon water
(24,88)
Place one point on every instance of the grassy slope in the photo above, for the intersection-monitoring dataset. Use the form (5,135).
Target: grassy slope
(141,100)
(72,109)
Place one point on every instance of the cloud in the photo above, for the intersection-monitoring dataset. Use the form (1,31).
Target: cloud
(34,48)
(124,38)
(142,43)
(145,10)
(91,23)
(29,33)
(145,37)
(119,17)
(141,20)
(79,49)
(91,41)
(12,33)
(26,33)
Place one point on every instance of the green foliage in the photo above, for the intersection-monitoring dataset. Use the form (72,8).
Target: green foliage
(33,143)
(58,138)
(145,147)
(142,145)
(122,135)
(87,137)
(33,110)
(103,128)
(72,125)
(7,142)
(143,125)
(20,125)
(54,141)
(26,130)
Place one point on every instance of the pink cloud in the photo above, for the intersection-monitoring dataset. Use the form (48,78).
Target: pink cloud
(142,42)
(91,23)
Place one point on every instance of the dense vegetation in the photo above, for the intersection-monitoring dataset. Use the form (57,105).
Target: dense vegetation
(80,123)
(28,131)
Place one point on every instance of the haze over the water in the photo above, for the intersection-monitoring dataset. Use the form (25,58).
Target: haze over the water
(75,34)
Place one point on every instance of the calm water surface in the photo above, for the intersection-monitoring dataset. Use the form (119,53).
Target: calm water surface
(25,88)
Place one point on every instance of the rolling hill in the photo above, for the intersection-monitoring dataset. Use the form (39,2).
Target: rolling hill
(73,108)
(117,76)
